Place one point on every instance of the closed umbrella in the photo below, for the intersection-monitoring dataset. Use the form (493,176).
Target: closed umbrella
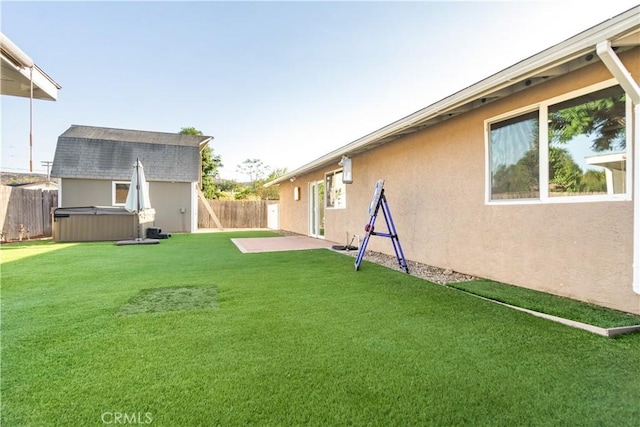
(138,195)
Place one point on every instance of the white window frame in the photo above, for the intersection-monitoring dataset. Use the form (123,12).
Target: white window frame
(327,190)
(542,108)
(113,192)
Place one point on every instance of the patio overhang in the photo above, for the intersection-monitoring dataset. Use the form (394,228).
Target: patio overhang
(18,71)
(623,32)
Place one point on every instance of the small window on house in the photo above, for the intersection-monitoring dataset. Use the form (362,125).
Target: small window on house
(335,196)
(119,193)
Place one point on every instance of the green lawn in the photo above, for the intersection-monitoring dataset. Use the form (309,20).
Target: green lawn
(285,338)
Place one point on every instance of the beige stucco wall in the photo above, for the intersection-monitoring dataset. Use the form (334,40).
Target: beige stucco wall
(167,198)
(435,186)
(84,192)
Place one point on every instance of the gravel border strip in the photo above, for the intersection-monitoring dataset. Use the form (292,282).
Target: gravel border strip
(437,275)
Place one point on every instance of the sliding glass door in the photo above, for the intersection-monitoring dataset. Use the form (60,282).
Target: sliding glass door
(316,209)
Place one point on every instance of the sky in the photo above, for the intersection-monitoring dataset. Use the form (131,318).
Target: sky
(282,82)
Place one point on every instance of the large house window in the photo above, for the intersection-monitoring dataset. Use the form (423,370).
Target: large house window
(569,148)
(119,191)
(336,190)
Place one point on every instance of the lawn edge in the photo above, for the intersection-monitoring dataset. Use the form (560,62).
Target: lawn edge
(605,332)
(598,330)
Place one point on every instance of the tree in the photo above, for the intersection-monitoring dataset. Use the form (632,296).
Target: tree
(273,192)
(603,121)
(254,169)
(593,181)
(210,165)
(564,173)
(603,118)
(228,185)
(519,179)
(191,131)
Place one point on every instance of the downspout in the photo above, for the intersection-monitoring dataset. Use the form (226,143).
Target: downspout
(631,88)
(31,119)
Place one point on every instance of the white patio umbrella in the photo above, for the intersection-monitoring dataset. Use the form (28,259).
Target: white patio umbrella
(138,195)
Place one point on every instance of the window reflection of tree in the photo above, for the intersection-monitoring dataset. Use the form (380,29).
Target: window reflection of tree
(598,117)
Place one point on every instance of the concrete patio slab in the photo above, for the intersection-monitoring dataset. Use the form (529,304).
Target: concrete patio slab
(276,244)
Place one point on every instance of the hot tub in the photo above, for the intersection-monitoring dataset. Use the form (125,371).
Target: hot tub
(99,223)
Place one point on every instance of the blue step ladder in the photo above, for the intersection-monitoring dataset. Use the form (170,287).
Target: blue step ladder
(379,202)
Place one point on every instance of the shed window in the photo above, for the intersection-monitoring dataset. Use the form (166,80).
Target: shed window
(119,191)
(572,148)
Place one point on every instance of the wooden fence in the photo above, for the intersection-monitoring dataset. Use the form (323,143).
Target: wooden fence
(234,213)
(26,210)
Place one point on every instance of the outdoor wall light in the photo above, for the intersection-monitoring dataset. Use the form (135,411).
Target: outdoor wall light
(296,193)
(347,175)
(293,178)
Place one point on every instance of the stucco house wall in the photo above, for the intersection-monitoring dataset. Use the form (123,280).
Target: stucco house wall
(435,183)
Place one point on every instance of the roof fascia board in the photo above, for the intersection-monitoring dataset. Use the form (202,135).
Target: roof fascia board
(43,82)
(46,76)
(205,142)
(79,131)
(563,52)
(47,88)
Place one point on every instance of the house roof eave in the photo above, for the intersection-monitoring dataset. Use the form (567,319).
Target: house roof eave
(562,58)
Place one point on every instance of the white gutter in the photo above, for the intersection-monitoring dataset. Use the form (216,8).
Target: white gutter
(631,88)
(16,54)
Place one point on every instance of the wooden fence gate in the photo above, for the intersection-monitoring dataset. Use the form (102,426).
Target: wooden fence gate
(30,209)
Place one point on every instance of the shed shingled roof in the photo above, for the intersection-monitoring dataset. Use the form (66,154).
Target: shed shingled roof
(89,152)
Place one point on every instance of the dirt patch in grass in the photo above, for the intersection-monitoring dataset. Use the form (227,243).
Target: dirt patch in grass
(160,300)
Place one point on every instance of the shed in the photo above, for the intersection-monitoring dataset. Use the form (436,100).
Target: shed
(93,167)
